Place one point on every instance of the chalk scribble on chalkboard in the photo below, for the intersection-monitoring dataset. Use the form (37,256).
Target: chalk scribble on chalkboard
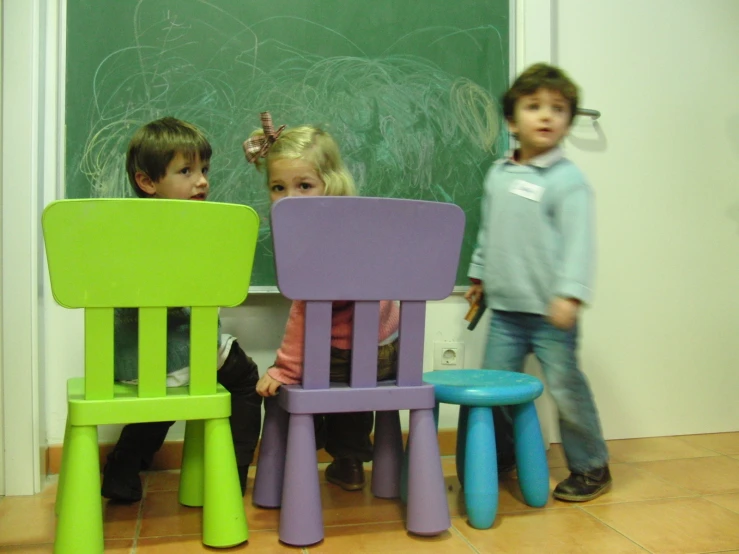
(407,126)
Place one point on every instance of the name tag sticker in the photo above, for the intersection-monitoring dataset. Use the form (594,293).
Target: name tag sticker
(527,190)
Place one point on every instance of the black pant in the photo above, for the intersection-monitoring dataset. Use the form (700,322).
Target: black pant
(347,435)
(503,425)
(238,376)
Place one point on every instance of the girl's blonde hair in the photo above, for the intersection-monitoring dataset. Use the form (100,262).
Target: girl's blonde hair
(316,147)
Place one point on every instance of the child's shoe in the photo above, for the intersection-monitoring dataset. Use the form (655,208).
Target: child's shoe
(582,487)
(121,481)
(348,473)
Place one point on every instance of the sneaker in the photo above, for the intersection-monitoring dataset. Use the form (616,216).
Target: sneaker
(348,473)
(121,481)
(580,487)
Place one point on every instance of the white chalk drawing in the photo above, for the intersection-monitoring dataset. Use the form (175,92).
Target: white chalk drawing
(407,127)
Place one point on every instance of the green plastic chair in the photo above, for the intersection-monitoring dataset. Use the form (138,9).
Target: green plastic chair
(151,255)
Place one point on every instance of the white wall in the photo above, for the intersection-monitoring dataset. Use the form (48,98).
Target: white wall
(659,344)
(21,151)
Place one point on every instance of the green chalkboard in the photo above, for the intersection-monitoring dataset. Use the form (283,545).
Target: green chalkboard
(409,88)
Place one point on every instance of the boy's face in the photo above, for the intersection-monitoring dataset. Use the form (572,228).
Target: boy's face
(185,179)
(540,120)
(293,177)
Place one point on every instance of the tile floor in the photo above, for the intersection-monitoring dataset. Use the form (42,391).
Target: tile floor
(671,495)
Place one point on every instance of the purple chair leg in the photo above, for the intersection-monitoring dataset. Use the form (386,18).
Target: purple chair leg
(388,457)
(301,517)
(428,511)
(271,465)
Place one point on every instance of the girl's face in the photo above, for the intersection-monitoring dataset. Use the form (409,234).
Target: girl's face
(293,177)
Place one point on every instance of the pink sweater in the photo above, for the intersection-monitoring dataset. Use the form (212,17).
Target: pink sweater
(288,368)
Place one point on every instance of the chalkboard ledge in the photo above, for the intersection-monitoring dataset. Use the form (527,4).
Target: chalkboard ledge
(274,290)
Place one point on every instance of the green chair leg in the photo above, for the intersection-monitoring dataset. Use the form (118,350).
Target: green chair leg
(192,469)
(224,519)
(60,486)
(79,528)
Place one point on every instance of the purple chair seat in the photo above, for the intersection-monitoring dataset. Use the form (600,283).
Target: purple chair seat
(363,250)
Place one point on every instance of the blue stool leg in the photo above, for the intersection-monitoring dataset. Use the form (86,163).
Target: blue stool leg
(531,458)
(481,469)
(464,412)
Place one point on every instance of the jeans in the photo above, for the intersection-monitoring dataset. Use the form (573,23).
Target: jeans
(512,336)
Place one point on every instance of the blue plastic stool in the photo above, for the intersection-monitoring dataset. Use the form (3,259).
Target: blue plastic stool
(476,391)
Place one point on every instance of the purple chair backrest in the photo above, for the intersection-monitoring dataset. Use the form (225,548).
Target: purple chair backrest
(365,250)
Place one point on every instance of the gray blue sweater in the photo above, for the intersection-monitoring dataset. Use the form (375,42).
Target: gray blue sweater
(126,324)
(536,238)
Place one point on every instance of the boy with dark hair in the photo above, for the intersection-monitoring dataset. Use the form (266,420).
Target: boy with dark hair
(169,158)
(534,262)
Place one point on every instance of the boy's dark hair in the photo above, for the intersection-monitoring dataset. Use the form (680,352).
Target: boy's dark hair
(538,76)
(155,144)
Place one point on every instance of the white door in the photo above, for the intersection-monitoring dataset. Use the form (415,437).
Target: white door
(2,436)
(659,344)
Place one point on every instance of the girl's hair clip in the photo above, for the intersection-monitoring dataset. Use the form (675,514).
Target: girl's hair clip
(258,146)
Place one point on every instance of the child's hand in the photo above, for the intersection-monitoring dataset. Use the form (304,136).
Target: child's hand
(563,312)
(474,293)
(267,386)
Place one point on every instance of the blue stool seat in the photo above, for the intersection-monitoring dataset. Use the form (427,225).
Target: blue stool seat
(483,387)
(476,391)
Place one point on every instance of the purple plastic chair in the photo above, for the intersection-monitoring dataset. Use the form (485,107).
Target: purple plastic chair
(362,250)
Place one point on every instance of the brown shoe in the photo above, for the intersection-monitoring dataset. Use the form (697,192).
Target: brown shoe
(347,473)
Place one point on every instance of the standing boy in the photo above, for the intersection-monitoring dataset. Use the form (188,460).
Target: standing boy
(534,262)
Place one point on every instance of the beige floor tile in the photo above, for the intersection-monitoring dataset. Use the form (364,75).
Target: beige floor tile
(652,449)
(633,484)
(162,481)
(728,501)
(119,520)
(261,518)
(723,443)
(259,541)
(630,484)
(339,508)
(715,475)
(163,516)
(111,547)
(510,498)
(26,520)
(346,508)
(674,526)
(386,537)
(454,495)
(550,531)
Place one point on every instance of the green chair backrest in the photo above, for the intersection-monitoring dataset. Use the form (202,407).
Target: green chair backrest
(152,255)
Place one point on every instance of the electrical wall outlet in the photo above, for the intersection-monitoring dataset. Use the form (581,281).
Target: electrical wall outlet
(448,355)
